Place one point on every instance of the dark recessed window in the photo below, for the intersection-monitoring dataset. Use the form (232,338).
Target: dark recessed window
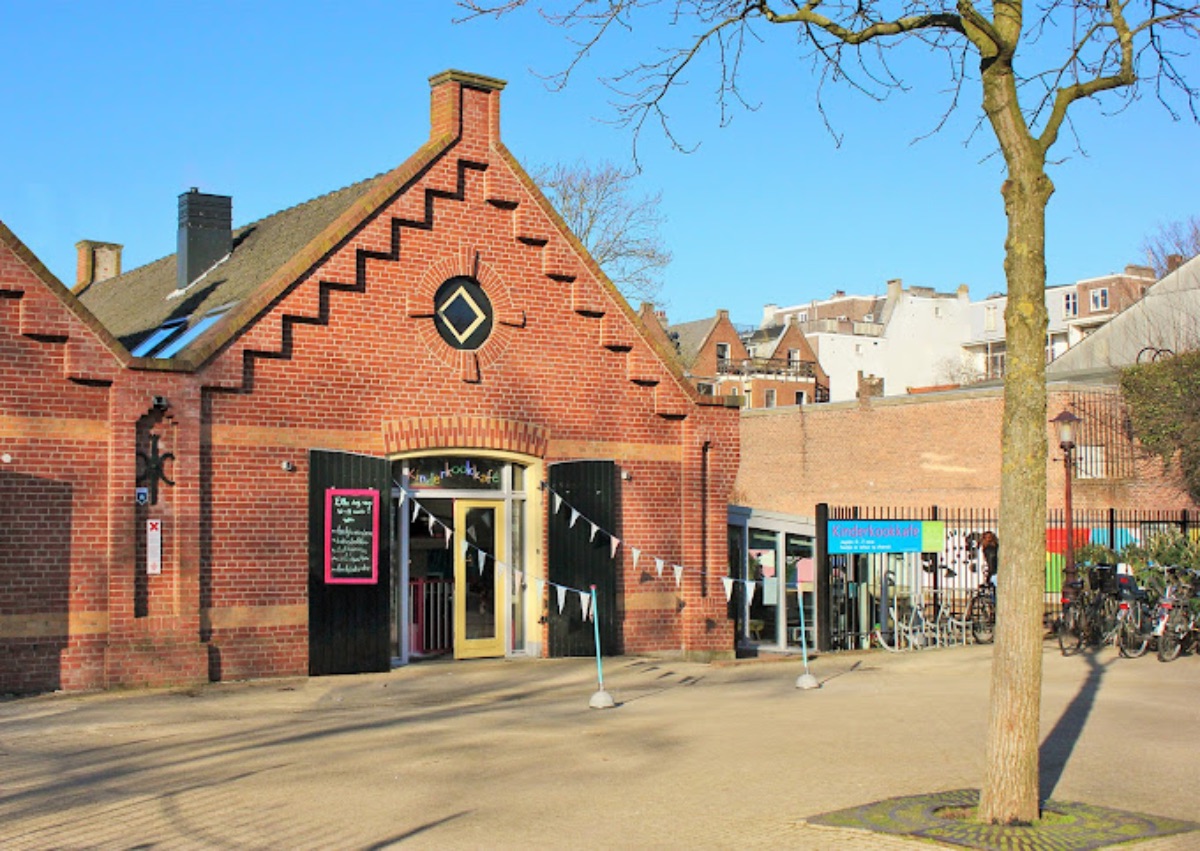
(462,313)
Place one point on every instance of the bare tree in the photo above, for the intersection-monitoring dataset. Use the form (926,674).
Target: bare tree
(1106,49)
(619,228)
(1172,244)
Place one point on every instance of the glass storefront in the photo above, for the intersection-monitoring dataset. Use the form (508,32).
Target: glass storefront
(776,570)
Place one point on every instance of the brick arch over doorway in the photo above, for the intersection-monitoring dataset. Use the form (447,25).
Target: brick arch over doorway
(417,433)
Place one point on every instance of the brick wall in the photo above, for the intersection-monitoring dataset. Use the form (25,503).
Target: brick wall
(938,449)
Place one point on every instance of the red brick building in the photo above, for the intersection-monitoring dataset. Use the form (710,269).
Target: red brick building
(269,454)
(772,366)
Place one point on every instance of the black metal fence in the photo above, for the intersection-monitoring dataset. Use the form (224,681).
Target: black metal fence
(858,594)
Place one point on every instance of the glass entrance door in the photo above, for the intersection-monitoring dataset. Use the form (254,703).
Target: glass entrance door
(479,621)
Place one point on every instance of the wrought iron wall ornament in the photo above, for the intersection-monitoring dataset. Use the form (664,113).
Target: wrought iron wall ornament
(151,470)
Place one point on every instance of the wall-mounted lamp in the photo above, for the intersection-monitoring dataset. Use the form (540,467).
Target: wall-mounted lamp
(626,476)
(288,467)
(160,403)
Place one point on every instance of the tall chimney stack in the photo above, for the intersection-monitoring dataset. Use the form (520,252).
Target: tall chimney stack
(205,234)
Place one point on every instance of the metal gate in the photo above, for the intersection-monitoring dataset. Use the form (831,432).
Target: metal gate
(349,564)
(579,560)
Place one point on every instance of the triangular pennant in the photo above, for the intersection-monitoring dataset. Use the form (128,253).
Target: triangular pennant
(557,503)
(595,529)
(482,561)
(727,581)
(574,517)
(400,502)
(432,521)
(613,543)
(462,548)
(562,597)
(750,586)
(447,531)
(678,574)
(416,510)
(585,603)
(658,566)
(636,555)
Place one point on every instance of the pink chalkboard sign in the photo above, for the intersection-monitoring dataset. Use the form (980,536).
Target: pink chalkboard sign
(351,537)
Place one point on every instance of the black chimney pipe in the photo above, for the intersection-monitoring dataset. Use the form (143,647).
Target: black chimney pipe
(205,233)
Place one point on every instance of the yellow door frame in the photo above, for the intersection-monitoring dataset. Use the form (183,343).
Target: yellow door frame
(476,648)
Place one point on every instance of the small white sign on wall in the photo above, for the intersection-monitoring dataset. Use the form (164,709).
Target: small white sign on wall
(153,547)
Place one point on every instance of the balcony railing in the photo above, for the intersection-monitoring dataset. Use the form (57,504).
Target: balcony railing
(773,367)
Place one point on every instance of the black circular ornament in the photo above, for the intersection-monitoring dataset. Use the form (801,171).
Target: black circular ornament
(462,313)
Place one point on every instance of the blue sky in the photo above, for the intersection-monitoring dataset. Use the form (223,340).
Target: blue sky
(116,108)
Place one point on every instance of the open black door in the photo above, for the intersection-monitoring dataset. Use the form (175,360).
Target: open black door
(577,560)
(349,563)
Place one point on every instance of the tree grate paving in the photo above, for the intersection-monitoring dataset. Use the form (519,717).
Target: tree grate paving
(1075,827)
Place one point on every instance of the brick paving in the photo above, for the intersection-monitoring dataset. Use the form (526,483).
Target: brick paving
(507,754)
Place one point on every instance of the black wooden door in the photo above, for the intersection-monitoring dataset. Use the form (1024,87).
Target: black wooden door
(579,560)
(349,630)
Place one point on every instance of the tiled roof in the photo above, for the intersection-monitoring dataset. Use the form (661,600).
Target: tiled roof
(690,337)
(133,305)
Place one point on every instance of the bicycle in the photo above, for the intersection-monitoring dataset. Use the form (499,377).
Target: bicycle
(1091,618)
(981,612)
(1176,624)
(1135,619)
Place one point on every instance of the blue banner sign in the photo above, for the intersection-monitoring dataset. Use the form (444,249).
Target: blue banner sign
(885,536)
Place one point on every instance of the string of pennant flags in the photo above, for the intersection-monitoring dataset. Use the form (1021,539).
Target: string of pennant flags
(615,543)
(561,591)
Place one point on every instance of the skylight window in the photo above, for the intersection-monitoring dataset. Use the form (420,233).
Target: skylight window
(158,338)
(181,342)
(174,336)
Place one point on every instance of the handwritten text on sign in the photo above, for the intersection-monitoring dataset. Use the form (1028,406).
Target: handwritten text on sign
(351,536)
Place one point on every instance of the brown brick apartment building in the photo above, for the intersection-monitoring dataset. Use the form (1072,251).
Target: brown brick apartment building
(275,452)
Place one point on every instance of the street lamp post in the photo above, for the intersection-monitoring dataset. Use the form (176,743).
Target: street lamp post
(1066,440)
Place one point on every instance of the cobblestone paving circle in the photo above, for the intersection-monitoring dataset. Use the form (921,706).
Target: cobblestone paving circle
(1079,827)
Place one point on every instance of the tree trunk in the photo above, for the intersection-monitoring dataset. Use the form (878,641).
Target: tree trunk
(1010,787)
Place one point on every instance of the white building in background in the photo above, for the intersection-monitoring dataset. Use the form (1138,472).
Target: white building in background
(883,346)
(1165,321)
(918,339)
(1074,311)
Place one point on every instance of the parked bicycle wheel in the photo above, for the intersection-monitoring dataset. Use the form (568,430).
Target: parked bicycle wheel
(1137,628)
(1070,632)
(1170,643)
(981,614)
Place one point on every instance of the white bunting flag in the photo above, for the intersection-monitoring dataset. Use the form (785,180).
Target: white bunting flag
(562,597)
(636,555)
(595,529)
(482,561)
(416,510)
(447,531)
(613,543)
(400,502)
(432,520)
(574,517)
(750,586)
(678,574)
(585,603)
(658,566)
(727,581)
(462,548)
(557,503)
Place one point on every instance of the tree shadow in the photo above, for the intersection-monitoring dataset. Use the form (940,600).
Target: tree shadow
(1059,744)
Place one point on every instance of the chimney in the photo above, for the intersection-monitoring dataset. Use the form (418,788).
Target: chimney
(1174,261)
(205,234)
(462,104)
(95,261)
